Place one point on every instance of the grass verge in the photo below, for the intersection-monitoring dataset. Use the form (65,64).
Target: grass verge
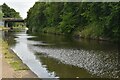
(4,28)
(12,58)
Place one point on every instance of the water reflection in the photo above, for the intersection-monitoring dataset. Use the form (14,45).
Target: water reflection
(100,58)
(99,63)
(62,70)
(60,56)
(9,37)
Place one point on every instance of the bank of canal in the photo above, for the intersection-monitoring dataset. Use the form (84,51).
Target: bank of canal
(10,64)
(52,56)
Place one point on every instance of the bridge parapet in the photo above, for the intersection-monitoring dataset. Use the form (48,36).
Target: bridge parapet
(7,20)
(13,20)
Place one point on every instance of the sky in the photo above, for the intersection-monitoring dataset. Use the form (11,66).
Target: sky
(21,6)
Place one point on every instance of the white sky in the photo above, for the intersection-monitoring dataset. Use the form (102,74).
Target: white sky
(21,6)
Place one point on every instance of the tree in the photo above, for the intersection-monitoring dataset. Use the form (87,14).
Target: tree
(9,13)
(90,20)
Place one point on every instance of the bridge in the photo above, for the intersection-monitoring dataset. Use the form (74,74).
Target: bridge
(7,20)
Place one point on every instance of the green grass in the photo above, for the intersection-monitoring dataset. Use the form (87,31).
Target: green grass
(18,66)
(92,31)
(12,58)
(51,30)
(15,27)
(4,28)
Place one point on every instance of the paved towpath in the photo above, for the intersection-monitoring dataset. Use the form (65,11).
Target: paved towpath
(6,71)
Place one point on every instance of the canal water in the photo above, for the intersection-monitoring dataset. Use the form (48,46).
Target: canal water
(56,56)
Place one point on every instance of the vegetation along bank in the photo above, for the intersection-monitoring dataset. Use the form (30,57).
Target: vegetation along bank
(87,20)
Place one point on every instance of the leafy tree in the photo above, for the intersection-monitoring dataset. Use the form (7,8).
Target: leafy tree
(9,13)
(90,20)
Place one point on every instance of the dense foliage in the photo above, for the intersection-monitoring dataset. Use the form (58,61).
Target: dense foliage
(9,13)
(1,14)
(88,20)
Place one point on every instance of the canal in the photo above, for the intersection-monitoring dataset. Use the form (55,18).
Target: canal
(50,56)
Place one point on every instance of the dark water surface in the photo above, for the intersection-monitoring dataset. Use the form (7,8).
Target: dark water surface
(51,56)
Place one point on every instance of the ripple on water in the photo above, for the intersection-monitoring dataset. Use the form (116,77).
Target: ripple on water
(96,62)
